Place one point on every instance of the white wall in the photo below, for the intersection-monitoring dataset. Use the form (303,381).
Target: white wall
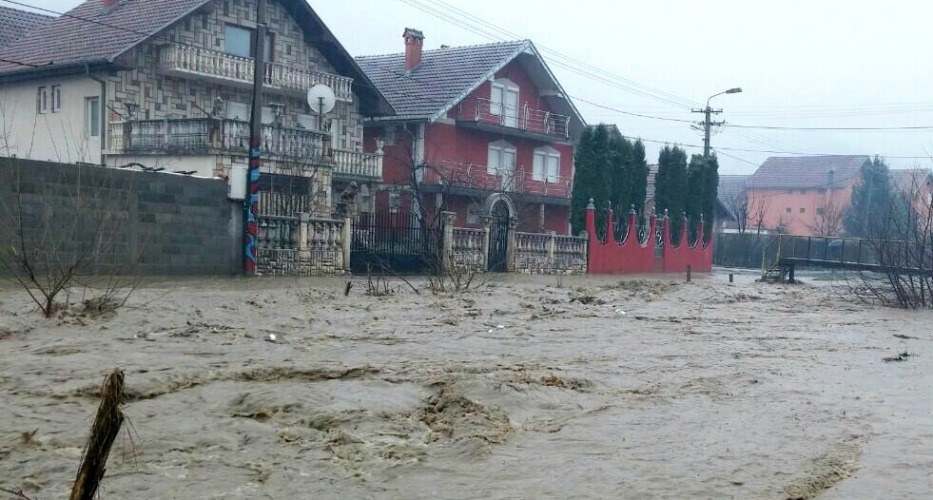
(202,165)
(60,136)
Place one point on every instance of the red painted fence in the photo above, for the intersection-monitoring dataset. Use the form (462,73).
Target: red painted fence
(632,256)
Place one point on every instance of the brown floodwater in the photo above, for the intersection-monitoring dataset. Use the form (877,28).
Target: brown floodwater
(523,388)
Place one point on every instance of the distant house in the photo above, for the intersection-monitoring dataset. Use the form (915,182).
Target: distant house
(803,195)
(488,131)
(16,23)
(733,203)
(166,84)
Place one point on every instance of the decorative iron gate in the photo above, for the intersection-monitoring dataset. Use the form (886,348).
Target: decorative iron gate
(387,242)
(499,238)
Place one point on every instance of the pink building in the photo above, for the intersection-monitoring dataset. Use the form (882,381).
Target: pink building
(803,195)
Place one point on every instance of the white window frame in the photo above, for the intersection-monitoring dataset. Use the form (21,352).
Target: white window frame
(92,117)
(497,97)
(496,154)
(56,96)
(546,164)
(42,100)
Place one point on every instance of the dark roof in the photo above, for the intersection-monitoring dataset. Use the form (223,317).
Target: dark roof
(15,23)
(730,191)
(807,172)
(448,75)
(89,35)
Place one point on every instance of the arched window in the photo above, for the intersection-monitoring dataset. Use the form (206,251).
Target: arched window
(546,166)
(501,158)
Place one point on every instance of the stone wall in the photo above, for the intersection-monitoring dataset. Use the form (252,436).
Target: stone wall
(162,96)
(470,248)
(130,222)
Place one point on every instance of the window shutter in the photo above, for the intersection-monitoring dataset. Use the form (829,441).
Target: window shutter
(495,99)
(492,163)
(537,171)
(553,171)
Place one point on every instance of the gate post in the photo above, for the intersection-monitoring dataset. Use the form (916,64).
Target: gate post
(551,249)
(487,223)
(447,250)
(346,241)
(510,247)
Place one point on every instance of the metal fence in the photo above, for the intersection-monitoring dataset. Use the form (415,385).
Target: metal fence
(394,242)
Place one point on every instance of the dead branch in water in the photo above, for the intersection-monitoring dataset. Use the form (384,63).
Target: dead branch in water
(106,426)
(15,493)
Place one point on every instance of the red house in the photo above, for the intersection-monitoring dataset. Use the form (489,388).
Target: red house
(482,131)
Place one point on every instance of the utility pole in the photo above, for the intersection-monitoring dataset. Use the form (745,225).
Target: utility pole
(251,204)
(707,125)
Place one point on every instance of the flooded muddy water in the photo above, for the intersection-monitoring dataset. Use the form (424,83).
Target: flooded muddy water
(524,388)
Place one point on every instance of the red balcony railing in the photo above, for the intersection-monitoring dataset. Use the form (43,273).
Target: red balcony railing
(468,175)
(522,118)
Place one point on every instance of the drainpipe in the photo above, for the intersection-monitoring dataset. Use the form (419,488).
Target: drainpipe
(103,111)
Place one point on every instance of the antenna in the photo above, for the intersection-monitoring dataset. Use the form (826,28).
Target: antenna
(322,101)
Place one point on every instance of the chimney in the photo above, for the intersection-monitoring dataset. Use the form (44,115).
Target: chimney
(108,5)
(414,40)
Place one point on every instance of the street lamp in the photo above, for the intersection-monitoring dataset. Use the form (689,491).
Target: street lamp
(708,112)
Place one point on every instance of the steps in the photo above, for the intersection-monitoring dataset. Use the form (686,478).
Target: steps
(777,273)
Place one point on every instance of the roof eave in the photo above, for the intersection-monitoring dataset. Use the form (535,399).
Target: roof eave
(47,71)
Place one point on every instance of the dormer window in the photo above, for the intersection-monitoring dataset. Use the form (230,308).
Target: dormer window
(503,102)
(241,41)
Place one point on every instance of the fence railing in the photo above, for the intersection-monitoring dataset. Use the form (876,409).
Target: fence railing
(184,59)
(547,253)
(469,248)
(302,245)
(467,175)
(357,164)
(523,117)
(197,135)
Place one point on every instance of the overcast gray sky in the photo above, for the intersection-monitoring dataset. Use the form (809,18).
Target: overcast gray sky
(816,63)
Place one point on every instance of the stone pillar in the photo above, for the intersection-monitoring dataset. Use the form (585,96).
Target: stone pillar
(551,249)
(347,241)
(487,229)
(303,219)
(510,250)
(447,219)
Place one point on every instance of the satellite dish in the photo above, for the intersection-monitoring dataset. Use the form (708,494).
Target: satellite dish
(321,99)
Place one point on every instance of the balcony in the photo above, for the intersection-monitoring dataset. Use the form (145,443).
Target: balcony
(185,61)
(537,123)
(200,136)
(460,177)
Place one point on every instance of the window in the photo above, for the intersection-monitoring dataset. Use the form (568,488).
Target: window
(56,98)
(93,116)
(503,102)
(820,211)
(42,100)
(789,210)
(546,166)
(501,158)
(239,41)
(803,210)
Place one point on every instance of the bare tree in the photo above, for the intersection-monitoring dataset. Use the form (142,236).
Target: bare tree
(738,206)
(757,212)
(828,220)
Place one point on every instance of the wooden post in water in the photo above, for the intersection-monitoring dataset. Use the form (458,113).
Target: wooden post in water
(731,278)
(688,274)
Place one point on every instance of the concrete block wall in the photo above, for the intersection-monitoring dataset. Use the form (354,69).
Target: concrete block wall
(139,222)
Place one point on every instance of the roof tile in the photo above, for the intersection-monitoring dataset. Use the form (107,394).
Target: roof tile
(15,23)
(807,172)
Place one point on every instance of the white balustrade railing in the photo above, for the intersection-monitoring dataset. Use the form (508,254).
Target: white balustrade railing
(212,63)
(357,164)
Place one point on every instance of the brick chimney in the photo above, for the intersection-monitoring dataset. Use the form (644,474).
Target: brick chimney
(414,40)
(108,5)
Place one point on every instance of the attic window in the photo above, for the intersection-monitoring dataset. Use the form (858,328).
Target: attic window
(239,41)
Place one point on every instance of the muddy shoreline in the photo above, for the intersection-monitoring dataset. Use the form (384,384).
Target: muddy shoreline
(526,388)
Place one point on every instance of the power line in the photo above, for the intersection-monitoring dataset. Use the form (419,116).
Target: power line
(841,129)
(574,65)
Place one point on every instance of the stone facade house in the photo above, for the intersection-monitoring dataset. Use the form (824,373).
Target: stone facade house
(166,84)
(483,131)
